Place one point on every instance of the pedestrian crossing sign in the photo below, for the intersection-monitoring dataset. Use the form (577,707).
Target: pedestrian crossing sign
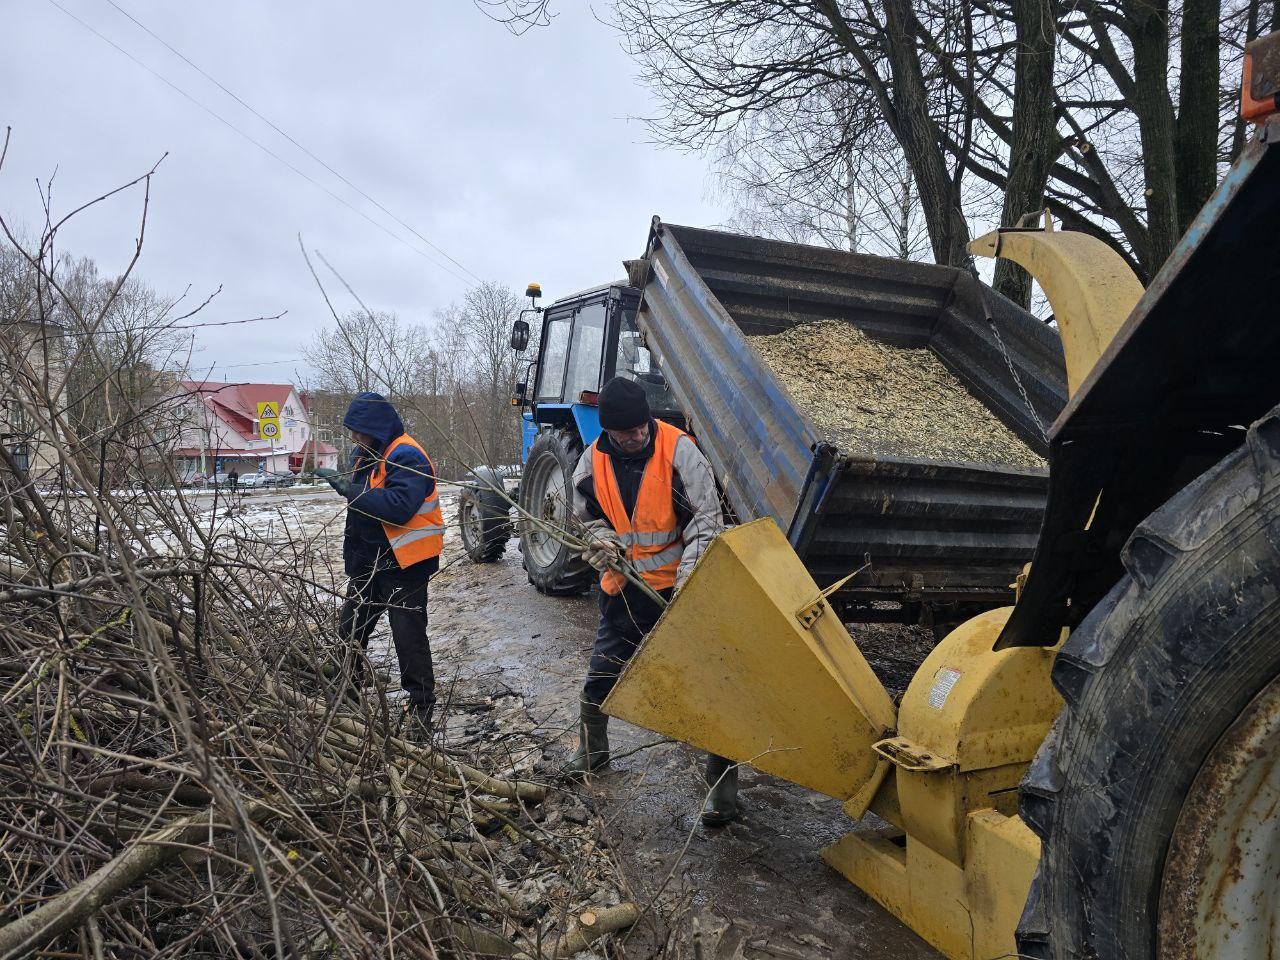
(268,420)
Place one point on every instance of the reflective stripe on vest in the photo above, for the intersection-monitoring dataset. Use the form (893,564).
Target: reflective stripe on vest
(423,536)
(651,535)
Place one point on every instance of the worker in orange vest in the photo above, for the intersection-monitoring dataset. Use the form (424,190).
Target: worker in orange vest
(391,545)
(648,499)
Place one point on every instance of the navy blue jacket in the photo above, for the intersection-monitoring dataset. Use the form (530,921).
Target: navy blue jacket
(364,546)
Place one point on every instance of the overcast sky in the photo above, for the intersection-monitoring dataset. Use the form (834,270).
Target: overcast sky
(521,157)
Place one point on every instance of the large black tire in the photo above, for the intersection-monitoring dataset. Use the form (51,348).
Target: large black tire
(484,516)
(1152,679)
(545,493)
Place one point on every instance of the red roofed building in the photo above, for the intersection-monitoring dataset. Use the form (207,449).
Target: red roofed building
(315,453)
(220,432)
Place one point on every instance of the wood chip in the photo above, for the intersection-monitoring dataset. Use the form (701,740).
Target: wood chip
(875,399)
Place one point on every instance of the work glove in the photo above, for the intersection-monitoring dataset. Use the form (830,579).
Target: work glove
(336,480)
(603,550)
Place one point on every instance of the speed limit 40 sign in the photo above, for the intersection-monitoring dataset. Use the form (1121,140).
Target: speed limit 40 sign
(268,420)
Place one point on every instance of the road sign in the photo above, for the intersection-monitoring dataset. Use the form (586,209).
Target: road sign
(269,420)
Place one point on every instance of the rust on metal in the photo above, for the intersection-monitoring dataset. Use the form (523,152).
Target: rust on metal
(1217,896)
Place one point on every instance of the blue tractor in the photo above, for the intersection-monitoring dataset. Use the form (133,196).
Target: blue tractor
(584,341)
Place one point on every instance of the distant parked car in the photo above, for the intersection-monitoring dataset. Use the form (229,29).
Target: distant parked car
(253,481)
(280,480)
(194,480)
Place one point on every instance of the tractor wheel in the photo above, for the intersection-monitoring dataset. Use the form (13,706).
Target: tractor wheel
(484,516)
(1155,793)
(546,505)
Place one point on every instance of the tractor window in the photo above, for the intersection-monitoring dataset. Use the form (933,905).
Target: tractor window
(635,362)
(586,351)
(555,350)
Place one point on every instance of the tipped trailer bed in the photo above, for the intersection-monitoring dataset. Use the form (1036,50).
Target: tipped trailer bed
(936,533)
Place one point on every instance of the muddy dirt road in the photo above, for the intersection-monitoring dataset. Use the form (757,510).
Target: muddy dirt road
(758,886)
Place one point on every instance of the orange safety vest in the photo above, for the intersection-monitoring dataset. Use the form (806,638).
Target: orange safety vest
(651,535)
(423,536)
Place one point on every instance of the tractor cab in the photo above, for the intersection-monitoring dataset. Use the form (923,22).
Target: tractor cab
(584,341)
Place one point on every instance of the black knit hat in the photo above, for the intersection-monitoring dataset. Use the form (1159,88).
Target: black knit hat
(623,405)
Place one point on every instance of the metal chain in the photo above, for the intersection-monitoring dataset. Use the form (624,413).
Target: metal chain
(1017,380)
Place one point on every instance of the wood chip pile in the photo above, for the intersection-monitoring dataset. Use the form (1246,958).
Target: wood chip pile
(876,399)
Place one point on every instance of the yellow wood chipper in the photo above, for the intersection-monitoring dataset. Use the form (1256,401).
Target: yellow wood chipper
(1094,771)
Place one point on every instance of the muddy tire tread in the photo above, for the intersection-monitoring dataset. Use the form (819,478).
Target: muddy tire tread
(1150,679)
(495,523)
(569,576)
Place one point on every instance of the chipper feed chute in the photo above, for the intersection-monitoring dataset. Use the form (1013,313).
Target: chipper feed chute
(753,664)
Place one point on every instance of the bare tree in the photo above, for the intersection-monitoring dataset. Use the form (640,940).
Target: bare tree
(480,332)
(450,379)
(1117,115)
(370,350)
(518,16)
(791,176)
(114,341)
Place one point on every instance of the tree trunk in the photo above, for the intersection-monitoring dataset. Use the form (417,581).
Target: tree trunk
(1197,136)
(1148,25)
(850,202)
(1033,132)
(904,219)
(917,133)
(906,111)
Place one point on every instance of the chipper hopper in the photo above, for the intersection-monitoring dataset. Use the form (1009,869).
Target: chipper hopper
(1098,766)
(751,662)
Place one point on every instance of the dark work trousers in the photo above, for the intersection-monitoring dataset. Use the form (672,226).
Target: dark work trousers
(624,620)
(403,595)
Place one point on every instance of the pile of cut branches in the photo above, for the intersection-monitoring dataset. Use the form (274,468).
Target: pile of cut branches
(188,767)
(181,774)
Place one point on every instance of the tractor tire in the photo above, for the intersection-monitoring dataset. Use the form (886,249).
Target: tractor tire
(546,496)
(1157,682)
(484,516)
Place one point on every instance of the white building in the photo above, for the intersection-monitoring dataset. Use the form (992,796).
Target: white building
(29,350)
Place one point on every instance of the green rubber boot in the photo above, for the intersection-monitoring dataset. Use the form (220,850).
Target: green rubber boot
(593,743)
(721,805)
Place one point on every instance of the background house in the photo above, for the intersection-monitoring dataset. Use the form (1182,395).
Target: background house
(218,430)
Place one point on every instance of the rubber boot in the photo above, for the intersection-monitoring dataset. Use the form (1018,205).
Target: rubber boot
(721,805)
(593,743)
